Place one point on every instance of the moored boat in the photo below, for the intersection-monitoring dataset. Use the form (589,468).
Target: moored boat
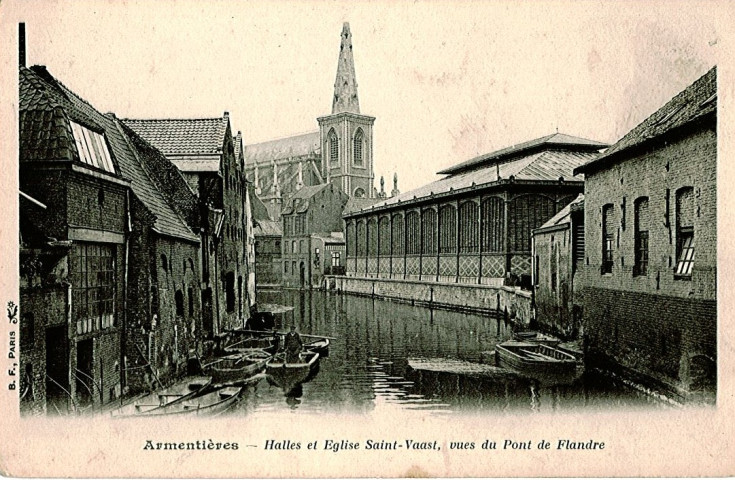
(534,358)
(211,403)
(320,346)
(178,392)
(237,367)
(533,336)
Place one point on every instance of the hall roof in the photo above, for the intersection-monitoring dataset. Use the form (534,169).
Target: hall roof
(555,140)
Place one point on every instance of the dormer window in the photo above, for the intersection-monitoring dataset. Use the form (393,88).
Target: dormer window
(92,148)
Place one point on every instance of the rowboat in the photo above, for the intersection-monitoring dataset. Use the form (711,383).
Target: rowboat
(289,375)
(237,367)
(534,358)
(536,337)
(320,346)
(212,403)
(176,393)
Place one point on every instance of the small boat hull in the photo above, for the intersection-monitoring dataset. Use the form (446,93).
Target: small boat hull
(209,404)
(537,337)
(176,393)
(320,346)
(237,367)
(534,359)
(289,375)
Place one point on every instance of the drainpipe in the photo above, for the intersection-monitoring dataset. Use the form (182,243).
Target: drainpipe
(123,334)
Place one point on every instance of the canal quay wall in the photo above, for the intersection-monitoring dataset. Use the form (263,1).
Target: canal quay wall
(509,302)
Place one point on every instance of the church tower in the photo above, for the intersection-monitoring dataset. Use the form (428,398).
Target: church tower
(346,135)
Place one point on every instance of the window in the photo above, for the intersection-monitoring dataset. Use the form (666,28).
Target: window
(359,193)
(335,259)
(179,299)
(92,148)
(428,226)
(333,147)
(191,302)
(164,263)
(384,235)
(285,267)
(358,147)
(469,228)
(641,237)
(608,227)
(492,225)
(278,245)
(413,233)
(372,233)
(361,239)
(93,292)
(293,246)
(553,264)
(230,291)
(397,234)
(447,229)
(684,232)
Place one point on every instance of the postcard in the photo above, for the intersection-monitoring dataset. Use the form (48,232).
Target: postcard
(366,239)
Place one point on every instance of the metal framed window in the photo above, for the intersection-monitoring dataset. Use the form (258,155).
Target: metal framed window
(641,237)
(93,291)
(684,232)
(607,238)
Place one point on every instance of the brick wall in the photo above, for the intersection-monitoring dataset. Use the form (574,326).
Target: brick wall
(665,326)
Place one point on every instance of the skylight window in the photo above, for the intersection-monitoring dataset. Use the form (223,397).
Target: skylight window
(92,148)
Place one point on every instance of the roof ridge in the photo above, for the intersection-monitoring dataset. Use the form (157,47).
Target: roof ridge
(172,119)
(301,134)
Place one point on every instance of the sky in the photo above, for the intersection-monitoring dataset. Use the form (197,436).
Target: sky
(445,81)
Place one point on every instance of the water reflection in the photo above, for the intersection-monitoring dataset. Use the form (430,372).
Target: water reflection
(369,364)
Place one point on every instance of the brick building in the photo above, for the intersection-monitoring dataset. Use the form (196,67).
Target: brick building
(311,214)
(154,267)
(72,256)
(268,235)
(558,254)
(649,279)
(474,225)
(204,151)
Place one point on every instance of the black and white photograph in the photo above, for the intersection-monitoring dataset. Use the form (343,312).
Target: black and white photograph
(383,239)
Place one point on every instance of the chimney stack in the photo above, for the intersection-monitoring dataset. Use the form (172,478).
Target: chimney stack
(22,44)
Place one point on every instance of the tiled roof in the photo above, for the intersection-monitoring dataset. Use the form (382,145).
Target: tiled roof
(356,204)
(288,147)
(267,227)
(538,166)
(693,103)
(257,207)
(195,136)
(555,140)
(332,237)
(300,198)
(237,142)
(187,165)
(126,156)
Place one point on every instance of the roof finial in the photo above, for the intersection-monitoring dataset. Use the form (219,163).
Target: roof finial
(395,190)
(345,85)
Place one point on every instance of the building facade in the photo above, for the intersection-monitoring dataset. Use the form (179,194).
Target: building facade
(268,235)
(649,283)
(204,151)
(311,214)
(558,254)
(473,226)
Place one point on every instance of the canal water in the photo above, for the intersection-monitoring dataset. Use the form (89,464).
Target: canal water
(369,365)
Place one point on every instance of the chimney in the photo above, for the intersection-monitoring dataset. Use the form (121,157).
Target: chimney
(22,44)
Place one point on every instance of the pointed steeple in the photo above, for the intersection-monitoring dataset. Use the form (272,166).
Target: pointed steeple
(345,85)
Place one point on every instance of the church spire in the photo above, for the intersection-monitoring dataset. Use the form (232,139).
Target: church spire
(345,85)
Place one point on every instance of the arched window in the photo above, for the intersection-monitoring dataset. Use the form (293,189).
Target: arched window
(428,231)
(527,213)
(351,239)
(413,233)
(372,237)
(468,228)
(397,234)
(384,235)
(358,147)
(685,213)
(492,225)
(359,193)
(333,147)
(641,237)
(361,239)
(164,263)
(447,229)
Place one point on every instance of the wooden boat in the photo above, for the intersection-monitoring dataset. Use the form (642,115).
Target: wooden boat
(320,346)
(211,403)
(534,358)
(237,367)
(176,393)
(289,375)
(533,336)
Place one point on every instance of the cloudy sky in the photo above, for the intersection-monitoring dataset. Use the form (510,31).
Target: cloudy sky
(445,81)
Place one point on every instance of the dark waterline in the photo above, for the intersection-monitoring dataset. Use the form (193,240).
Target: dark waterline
(367,370)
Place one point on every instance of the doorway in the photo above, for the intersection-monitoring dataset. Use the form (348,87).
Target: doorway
(57,370)
(84,374)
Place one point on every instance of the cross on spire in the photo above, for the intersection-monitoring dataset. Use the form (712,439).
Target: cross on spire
(345,85)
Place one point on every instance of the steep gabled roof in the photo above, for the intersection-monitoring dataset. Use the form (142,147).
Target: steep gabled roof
(41,92)
(697,101)
(183,136)
(555,141)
